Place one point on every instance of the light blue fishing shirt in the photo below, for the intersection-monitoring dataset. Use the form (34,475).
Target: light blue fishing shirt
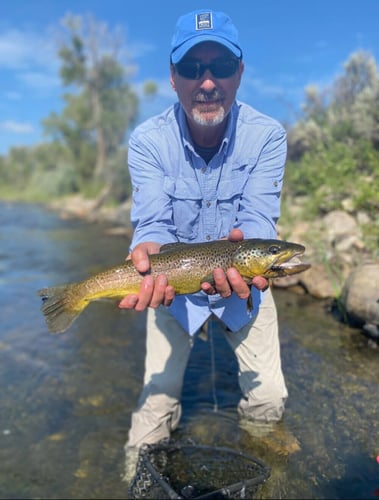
(177,196)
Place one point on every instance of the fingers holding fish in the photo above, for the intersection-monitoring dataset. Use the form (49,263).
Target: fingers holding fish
(128,302)
(235,235)
(142,300)
(226,283)
(152,293)
(163,292)
(260,282)
(237,283)
(140,255)
(219,285)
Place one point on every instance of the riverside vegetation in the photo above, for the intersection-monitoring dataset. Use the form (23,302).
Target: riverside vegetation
(331,191)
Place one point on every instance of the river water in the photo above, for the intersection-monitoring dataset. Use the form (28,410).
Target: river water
(66,399)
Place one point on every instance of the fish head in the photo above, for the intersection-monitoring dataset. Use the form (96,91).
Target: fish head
(269,258)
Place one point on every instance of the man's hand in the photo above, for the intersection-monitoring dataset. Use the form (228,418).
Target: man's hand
(152,292)
(232,281)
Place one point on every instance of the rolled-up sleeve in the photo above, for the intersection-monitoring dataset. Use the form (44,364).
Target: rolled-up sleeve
(151,213)
(259,209)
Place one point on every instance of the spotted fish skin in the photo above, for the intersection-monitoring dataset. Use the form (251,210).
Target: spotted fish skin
(186,265)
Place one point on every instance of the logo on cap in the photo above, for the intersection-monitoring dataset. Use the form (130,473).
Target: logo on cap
(204,21)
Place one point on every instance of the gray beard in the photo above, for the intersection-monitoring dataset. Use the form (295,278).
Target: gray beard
(209,122)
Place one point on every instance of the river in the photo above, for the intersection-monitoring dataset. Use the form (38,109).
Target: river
(66,399)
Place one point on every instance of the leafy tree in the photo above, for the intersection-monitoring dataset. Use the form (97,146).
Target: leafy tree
(37,173)
(334,149)
(100,105)
(361,73)
(346,111)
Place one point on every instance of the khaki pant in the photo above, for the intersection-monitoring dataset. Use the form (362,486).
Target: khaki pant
(168,348)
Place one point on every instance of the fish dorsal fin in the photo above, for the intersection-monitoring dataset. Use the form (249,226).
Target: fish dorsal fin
(177,245)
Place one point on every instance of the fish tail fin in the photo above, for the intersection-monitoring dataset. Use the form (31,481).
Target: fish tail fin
(57,307)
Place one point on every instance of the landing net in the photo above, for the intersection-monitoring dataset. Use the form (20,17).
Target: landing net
(189,471)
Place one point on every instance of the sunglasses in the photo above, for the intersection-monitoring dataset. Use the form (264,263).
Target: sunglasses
(194,70)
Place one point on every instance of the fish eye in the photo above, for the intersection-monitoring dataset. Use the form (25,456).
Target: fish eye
(274,249)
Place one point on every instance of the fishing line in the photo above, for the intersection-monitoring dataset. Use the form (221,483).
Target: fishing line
(213,365)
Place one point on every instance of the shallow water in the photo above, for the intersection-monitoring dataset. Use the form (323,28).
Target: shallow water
(66,399)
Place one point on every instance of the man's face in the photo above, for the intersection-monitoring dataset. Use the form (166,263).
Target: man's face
(208,99)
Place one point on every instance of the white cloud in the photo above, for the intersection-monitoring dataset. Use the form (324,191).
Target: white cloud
(39,79)
(22,50)
(17,127)
(29,58)
(140,49)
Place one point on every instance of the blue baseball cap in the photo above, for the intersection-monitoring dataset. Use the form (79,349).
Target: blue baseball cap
(203,26)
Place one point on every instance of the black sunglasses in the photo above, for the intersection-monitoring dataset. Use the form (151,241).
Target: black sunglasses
(194,70)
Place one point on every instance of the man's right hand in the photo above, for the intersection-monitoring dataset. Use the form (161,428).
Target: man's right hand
(152,292)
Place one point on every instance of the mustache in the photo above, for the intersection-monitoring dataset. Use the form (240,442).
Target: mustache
(202,96)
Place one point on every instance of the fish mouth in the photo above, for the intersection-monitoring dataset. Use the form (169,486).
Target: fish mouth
(286,266)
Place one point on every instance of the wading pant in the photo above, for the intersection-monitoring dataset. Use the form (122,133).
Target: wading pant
(168,347)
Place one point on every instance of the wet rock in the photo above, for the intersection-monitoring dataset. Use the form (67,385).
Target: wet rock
(316,281)
(286,281)
(340,225)
(360,298)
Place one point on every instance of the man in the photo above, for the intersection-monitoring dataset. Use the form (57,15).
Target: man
(207,168)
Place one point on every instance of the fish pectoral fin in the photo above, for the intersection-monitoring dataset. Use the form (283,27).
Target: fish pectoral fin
(208,279)
(249,303)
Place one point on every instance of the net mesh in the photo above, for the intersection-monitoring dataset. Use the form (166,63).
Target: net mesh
(190,471)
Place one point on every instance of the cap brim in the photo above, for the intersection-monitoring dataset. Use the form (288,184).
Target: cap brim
(178,53)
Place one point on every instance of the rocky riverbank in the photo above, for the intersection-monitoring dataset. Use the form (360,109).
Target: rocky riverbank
(343,271)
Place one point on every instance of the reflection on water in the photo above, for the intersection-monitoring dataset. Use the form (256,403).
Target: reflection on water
(66,400)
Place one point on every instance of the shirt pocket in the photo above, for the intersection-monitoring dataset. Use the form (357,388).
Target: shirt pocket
(186,205)
(230,190)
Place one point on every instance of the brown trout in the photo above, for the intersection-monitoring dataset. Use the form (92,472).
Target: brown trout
(186,265)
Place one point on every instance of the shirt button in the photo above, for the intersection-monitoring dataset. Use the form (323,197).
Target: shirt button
(208,204)
(203,170)
(208,237)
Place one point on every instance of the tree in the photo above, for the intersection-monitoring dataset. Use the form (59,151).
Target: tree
(346,111)
(100,105)
(334,150)
(360,74)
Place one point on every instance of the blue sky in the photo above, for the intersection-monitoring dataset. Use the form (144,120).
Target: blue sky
(287,45)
